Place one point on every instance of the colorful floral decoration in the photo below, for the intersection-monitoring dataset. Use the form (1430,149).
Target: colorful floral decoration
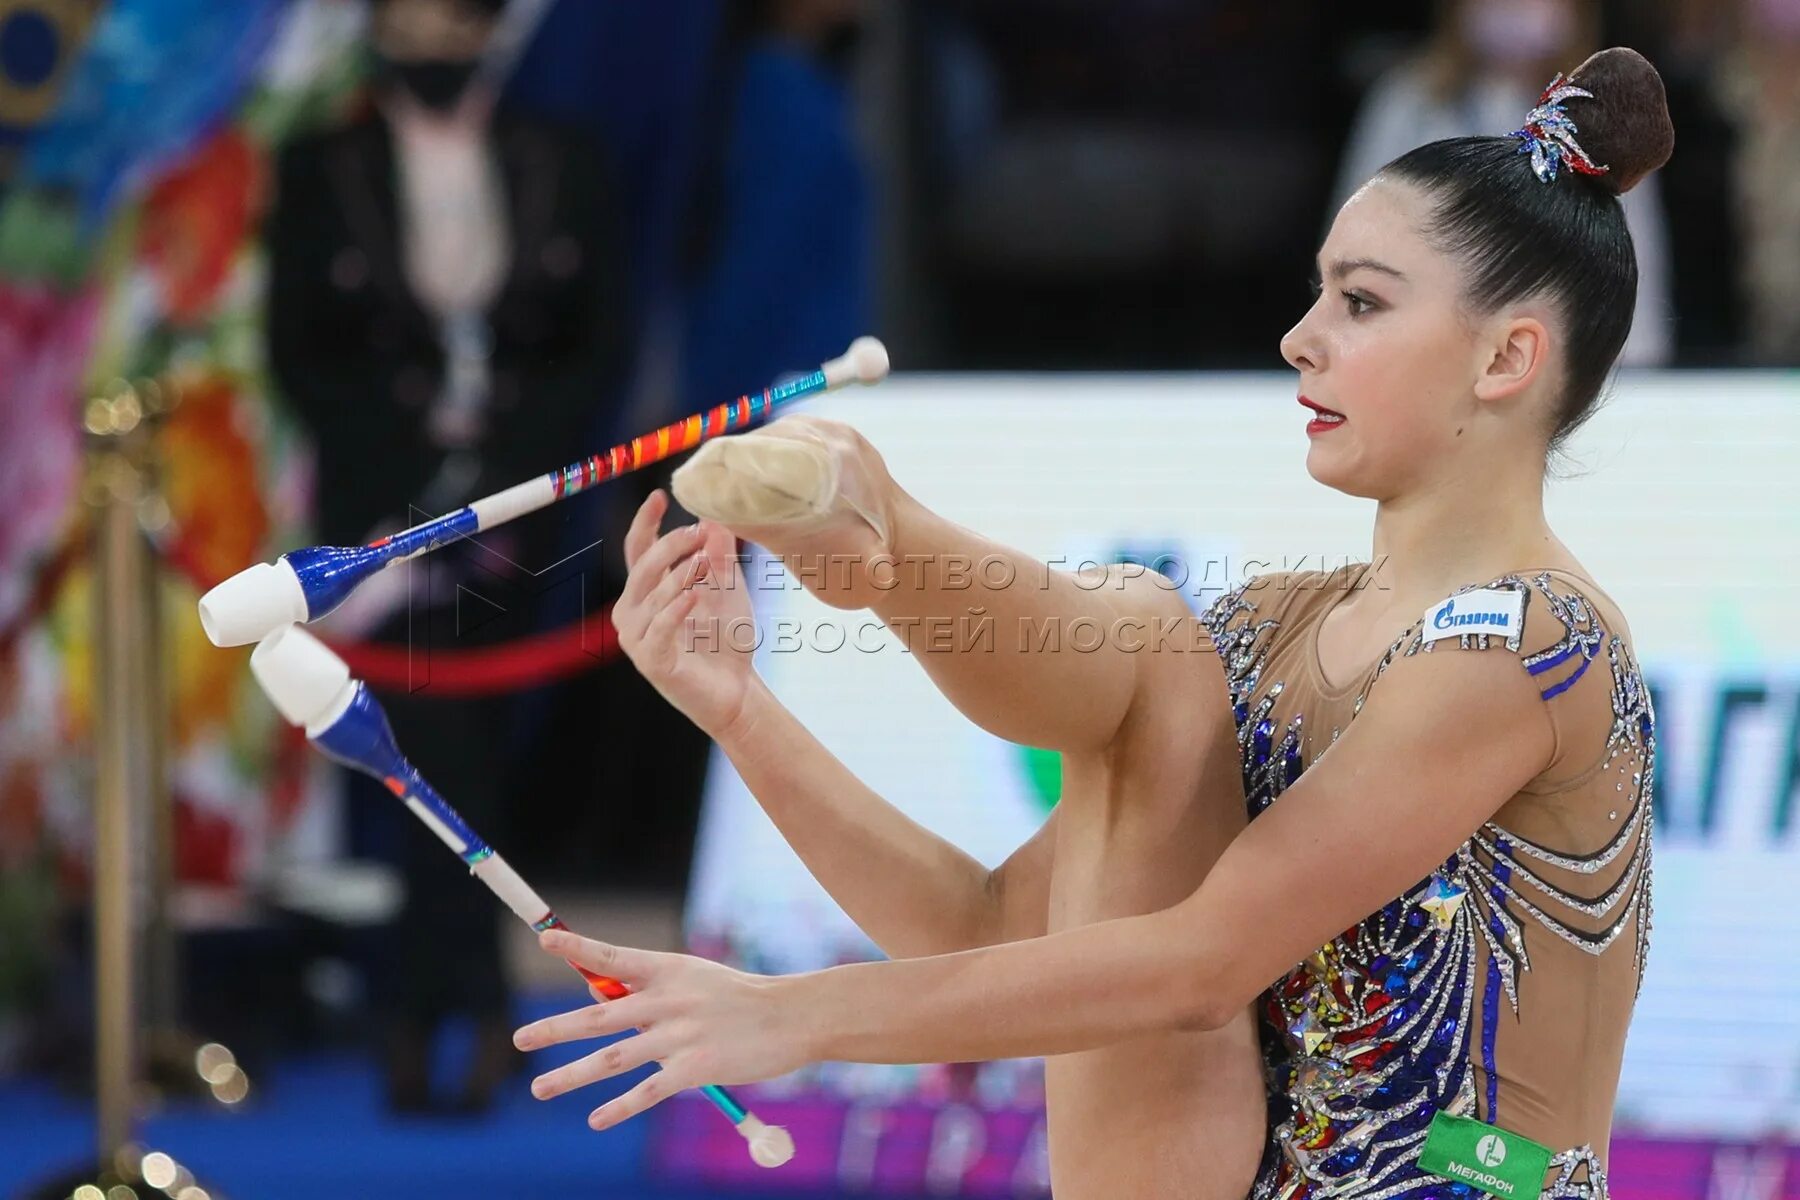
(195,221)
(45,336)
(42,40)
(128,251)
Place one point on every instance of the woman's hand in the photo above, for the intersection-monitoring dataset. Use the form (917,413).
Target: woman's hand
(684,583)
(704,1023)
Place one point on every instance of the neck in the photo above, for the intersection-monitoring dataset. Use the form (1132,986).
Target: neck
(1434,540)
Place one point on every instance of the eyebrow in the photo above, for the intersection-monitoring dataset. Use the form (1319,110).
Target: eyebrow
(1345,266)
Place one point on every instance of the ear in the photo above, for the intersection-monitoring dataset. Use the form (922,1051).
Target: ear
(1517,355)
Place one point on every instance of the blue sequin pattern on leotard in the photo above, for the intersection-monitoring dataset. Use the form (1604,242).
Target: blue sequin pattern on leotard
(1382,1028)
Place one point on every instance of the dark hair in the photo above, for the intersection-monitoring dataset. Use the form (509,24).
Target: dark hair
(1565,240)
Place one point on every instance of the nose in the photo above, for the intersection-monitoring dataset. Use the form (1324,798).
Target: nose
(1300,347)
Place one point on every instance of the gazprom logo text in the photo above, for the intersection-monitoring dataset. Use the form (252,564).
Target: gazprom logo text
(1448,618)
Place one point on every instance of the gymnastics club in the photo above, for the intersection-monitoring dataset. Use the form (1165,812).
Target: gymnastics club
(312,688)
(304,585)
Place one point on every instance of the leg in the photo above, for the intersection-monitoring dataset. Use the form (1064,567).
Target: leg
(816,493)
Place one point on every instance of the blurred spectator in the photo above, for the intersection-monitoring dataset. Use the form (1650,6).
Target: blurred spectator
(1765,94)
(444,318)
(1482,71)
(1687,39)
(778,253)
(1128,185)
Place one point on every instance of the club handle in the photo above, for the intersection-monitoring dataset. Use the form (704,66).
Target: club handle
(612,989)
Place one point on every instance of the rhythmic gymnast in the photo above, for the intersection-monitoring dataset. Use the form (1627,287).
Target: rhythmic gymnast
(1436,900)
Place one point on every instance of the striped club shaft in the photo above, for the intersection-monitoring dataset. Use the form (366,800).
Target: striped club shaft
(681,435)
(545,490)
(411,789)
(361,737)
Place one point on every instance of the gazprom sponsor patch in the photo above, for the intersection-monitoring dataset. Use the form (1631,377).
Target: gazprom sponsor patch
(1496,611)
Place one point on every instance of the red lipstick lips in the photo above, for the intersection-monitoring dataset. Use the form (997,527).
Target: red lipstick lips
(1325,422)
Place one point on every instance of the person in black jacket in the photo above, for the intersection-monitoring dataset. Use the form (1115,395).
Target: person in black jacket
(445,318)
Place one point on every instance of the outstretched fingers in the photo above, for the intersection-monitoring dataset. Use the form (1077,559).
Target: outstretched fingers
(626,1054)
(699,1021)
(596,1020)
(640,1099)
(603,958)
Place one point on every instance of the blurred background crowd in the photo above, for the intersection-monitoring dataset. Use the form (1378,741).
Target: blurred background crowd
(364,262)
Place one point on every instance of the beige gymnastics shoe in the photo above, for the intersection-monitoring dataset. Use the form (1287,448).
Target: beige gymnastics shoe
(785,482)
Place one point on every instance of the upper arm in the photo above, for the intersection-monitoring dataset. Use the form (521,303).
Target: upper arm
(1441,744)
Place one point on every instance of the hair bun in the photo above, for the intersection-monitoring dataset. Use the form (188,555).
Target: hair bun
(1626,126)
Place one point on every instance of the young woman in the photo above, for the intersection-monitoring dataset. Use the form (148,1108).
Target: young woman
(1446,870)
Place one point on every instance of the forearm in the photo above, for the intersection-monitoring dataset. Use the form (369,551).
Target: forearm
(1071,991)
(910,890)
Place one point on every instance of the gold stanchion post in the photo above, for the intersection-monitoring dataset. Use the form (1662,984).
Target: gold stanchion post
(133,831)
(122,754)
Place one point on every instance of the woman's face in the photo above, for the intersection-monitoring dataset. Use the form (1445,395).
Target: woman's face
(1386,348)
(432,30)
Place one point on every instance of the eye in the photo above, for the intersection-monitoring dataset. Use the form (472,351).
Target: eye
(1359,303)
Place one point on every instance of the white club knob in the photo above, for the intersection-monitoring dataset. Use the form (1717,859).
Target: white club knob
(246,607)
(304,680)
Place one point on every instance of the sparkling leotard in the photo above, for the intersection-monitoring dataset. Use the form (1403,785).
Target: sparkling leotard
(1499,987)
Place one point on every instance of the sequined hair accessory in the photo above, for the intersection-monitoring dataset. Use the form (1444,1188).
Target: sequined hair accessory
(1549,134)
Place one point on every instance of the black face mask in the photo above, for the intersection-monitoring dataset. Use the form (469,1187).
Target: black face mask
(434,82)
(838,48)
